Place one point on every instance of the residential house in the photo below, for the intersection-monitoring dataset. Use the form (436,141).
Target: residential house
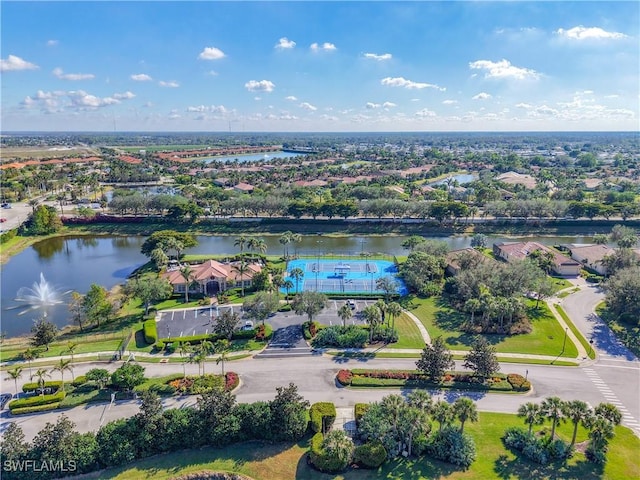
(591,256)
(453,259)
(212,277)
(514,251)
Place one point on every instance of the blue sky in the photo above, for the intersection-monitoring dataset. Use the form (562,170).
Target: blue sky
(320,66)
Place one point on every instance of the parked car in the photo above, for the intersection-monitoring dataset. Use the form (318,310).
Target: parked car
(2,220)
(6,205)
(248,325)
(352,304)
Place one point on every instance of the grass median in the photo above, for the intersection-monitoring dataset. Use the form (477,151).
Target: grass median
(576,332)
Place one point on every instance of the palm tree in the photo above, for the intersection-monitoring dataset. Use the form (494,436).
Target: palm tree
(609,411)
(204,349)
(288,285)
(420,399)
(465,409)
(29,355)
(441,413)
(383,309)
(71,350)
(184,349)
(33,203)
(345,313)
(552,408)
(297,274)
(187,274)
(41,374)
(241,241)
(600,431)
(296,238)
(15,374)
(284,240)
(413,423)
(373,317)
(394,310)
(62,366)
(241,267)
(222,348)
(260,246)
(532,414)
(577,411)
(252,244)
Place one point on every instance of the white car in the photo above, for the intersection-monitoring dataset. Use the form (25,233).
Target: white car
(248,325)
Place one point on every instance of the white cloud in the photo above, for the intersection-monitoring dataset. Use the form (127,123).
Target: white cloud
(123,96)
(291,98)
(13,63)
(503,69)
(402,82)
(52,43)
(308,106)
(371,105)
(589,33)
(526,106)
(380,58)
(220,109)
(259,86)
(326,46)
(449,102)
(141,77)
(481,96)
(389,105)
(614,95)
(211,53)
(170,84)
(82,99)
(212,73)
(284,43)
(425,112)
(58,73)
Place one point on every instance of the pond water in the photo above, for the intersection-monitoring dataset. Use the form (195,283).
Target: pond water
(252,157)
(74,263)
(460,178)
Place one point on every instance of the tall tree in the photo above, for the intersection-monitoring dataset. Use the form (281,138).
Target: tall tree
(578,412)
(435,360)
(442,413)
(465,409)
(288,414)
(482,358)
(553,408)
(261,306)
(96,304)
(41,375)
(76,308)
(15,374)
(184,349)
(373,317)
(345,313)
(227,323)
(221,347)
(187,274)
(29,355)
(63,365)
(532,414)
(149,290)
(285,240)
(309,303)
(394,310)
(43,332)
(297,274)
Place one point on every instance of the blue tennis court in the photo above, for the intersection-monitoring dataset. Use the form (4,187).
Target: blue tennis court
(342,276)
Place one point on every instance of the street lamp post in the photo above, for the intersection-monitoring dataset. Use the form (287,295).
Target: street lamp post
(564,342)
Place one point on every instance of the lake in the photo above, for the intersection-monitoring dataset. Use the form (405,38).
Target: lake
(74,263)
(252,157)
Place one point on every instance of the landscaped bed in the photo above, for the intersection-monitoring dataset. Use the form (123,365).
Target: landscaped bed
(367,378)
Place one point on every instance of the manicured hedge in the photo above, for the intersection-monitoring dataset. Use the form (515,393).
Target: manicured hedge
(415,379)
(150,331)
(359,410)
(79,380)
(192,339)
(38,408)
(322,415)
(370,454)
(33,386)
(319,459)
(37,400)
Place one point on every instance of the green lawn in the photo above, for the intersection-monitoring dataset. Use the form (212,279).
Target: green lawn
(288,461)
(576,332)
(408,334)
(546,338)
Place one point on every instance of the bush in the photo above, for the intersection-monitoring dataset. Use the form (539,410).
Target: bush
(285,308)
(231,381)
(344,377)
(150,331)
(539,450)
(37,400)
(38,408)
(309,329)
(351,336)
(359,409)
(452,446)
(370,455)
(79,380)
(206,383)
(162,390)
(420,444)
(244,334)
(32,386)
(322,415)
(322,460)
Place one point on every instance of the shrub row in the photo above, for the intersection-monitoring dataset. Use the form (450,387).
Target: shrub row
(37,400)
(539,450)
(322,415)
(150,331)
(359,410)
(413,378)
(351,336)
(79,380)
(37,408)
(33,386)
(6,236)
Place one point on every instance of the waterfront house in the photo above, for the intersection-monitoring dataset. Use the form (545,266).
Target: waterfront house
(212,277)
(515,251)
(591,256)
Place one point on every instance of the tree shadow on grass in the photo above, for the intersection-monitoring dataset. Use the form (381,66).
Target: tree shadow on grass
(522,469)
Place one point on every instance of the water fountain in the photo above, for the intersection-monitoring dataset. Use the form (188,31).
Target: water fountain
(40,295)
